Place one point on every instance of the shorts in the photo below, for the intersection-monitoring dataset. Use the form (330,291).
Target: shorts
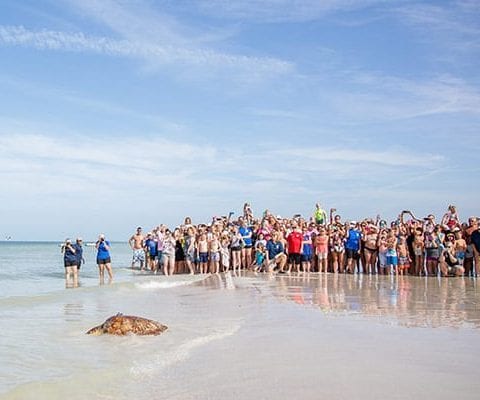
(403,261)
(259,259)
(236,248)
(353,254)
(214,256)
(307,257)
(68,263)
(392,260)
(248,246)
(382,258)
(138,255)
(167,257)
(322,256)
(418,252)
(432,254)
(203,257)
(103,261)
(294,258)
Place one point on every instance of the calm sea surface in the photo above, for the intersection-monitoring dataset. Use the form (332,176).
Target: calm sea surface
(248,336)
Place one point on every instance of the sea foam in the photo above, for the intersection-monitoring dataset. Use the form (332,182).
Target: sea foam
(181,353)
(154,285)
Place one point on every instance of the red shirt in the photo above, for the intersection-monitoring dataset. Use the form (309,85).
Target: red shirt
(294,241)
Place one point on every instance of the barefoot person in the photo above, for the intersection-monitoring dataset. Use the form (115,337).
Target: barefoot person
(352,245)
(136,243)
(104,261)
(168,254)
(70,263)
(79,253)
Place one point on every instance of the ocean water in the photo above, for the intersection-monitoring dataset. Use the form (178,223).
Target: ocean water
(241,337)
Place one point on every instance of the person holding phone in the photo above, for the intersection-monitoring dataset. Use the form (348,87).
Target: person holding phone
(104,261)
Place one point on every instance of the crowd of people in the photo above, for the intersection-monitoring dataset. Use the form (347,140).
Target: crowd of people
(320,243)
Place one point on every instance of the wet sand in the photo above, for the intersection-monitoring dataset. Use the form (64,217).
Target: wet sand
(260,336)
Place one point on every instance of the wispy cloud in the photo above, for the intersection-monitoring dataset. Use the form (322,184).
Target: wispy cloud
(158,54)
(86,174)
(377,97)
(454,25)
(189,164)
(279,10)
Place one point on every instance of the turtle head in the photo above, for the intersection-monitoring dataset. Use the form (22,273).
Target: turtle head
(98,330)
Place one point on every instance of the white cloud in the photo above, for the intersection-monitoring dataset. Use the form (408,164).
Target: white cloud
(279,10)
(377,97)
(152,179)
(155,53)
(180,166)
(452,25)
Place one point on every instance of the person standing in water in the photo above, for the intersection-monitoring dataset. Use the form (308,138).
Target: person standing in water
(79,253)
(70,263)
(104,261)
(137,244)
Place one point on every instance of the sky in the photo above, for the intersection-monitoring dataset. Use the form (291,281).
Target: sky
(115,114)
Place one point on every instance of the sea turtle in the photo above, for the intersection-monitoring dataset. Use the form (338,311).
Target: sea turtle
(124,324)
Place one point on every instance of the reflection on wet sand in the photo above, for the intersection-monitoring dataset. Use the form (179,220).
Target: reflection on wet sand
(411,301)
(408,301)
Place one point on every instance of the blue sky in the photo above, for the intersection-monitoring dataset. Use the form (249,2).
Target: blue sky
(115,114)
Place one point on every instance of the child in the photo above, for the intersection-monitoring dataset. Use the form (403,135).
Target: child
(260,258)
(403,256)
(225,252)
(392,255)
(214,248)
(382,253)
(307,250)
(203,253)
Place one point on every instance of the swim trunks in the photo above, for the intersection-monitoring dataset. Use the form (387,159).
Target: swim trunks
(294,258)
(214,256)
(353,254)
(203,257)
(138,255)
(392,260)
(306,257)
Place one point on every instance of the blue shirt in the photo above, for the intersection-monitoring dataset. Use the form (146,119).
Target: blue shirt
(353,241)
(102,252)
(69,255)
(274,248)
(78,252)
(151,246)
(246,231)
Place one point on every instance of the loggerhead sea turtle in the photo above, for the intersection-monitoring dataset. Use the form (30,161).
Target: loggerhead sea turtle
(124,324)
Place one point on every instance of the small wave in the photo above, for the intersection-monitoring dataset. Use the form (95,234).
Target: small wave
(182,353)
(153,285)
